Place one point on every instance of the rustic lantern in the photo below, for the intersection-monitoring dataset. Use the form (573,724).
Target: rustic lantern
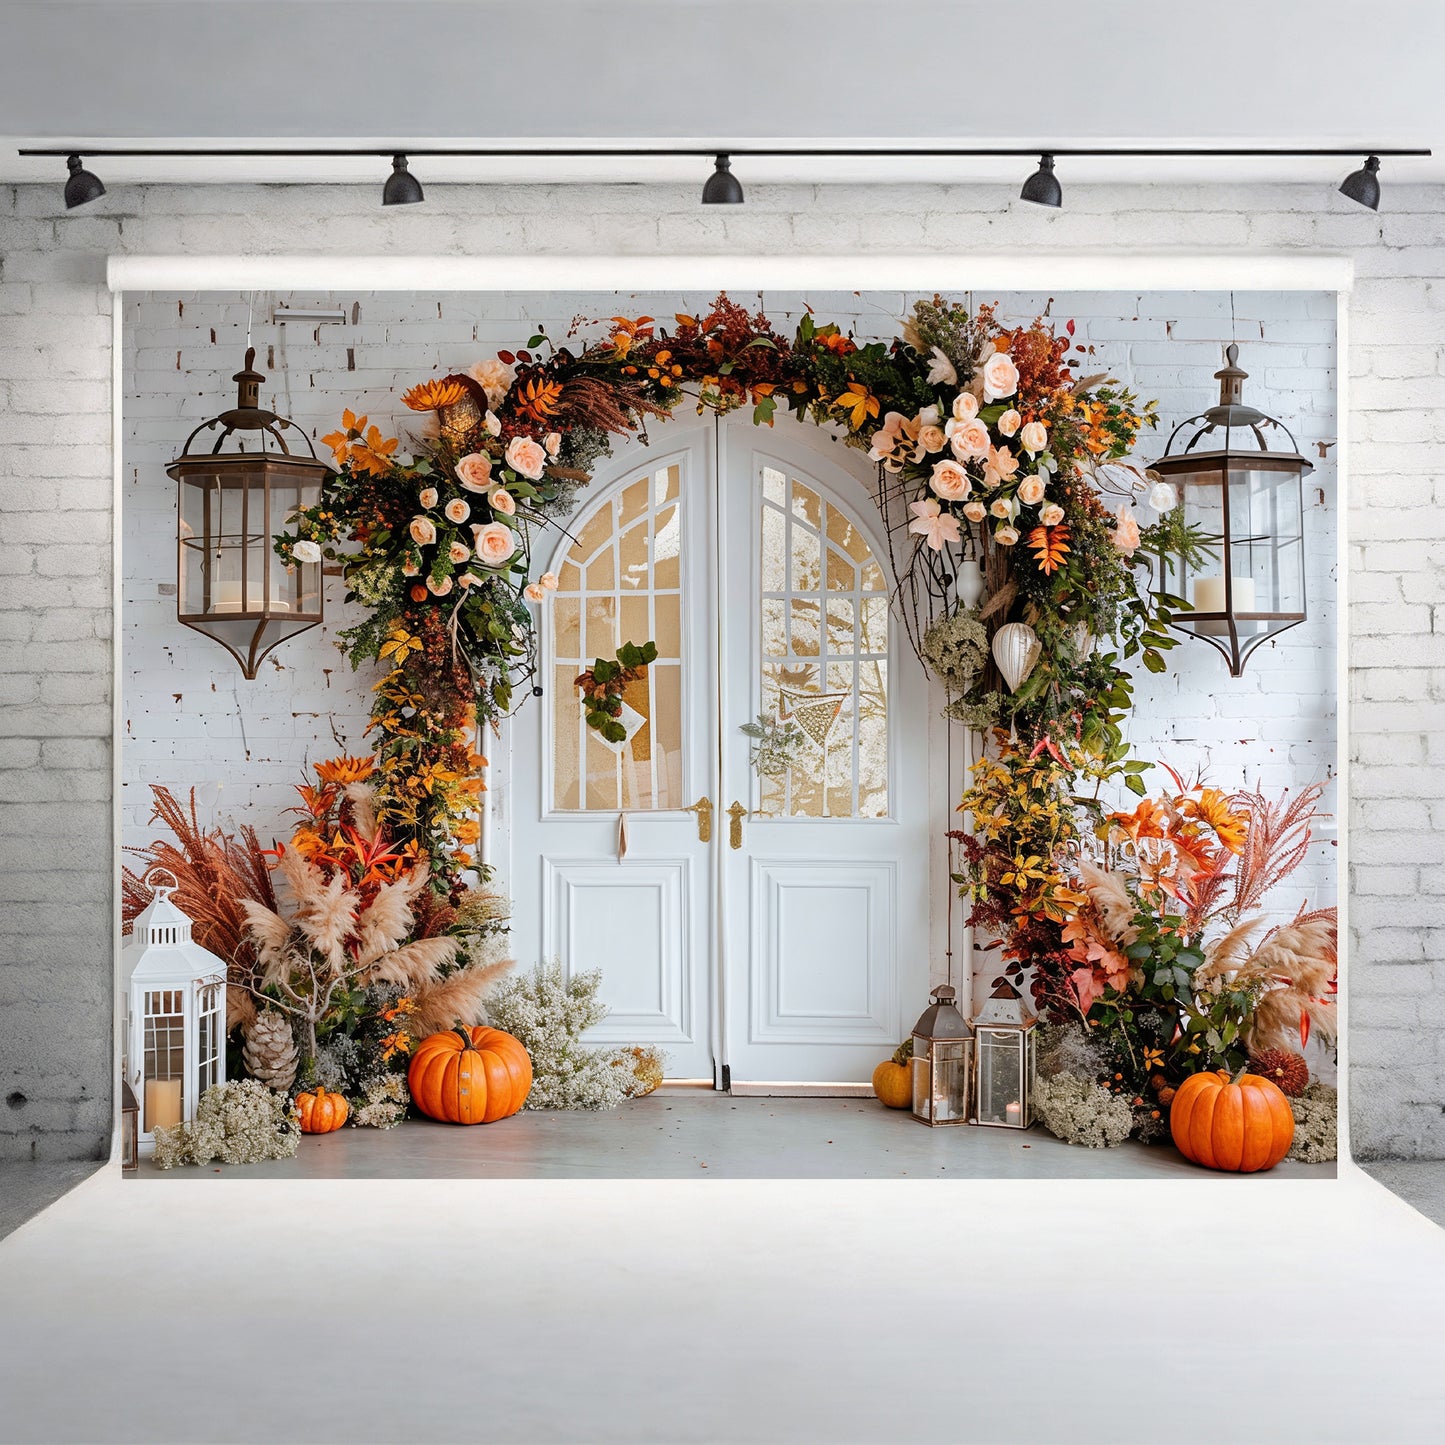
(942,1055)
(175,1036)
(129,1129)
(1004,1061)
(1251,501)
(232,585)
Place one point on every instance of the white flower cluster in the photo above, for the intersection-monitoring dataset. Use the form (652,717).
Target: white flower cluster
(242,1122)
(382,1102)
(549,1014)
(1316,1125)
(1079,1111)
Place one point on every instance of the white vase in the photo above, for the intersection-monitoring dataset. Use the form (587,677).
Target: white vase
(1016,649)
(968,582)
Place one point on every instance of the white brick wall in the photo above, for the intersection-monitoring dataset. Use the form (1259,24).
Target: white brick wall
(54,548)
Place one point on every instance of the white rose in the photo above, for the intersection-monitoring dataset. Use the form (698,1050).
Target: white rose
(929,417)
(1034,437)
(1051,515)
(1000,508)
(526,457)
(495,544)
(493,426)
(1031,491)
(1008,423)
(423,533)
(427,496)
(496,378)
(552,441)
(969,439)
(304,551)
(950,481)
(1000,377)
(975,511)
(965,406)
(474,472)
(1006,536)
(501,500)
(457,510)
(459,552)
(1163,497)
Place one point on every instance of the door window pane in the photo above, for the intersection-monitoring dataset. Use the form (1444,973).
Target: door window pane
(823,635)
(621,582)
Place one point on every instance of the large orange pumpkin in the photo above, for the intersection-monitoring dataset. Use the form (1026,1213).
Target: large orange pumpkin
(1240,1124)
(469,1075)
(321,1112)
(893,1078)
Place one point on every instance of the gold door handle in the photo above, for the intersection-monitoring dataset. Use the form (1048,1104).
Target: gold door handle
(735,829)
(703,809)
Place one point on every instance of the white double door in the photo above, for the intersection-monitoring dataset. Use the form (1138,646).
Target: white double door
(786,943)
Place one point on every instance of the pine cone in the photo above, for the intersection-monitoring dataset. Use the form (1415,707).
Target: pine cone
(1289,1071)
(269,1052)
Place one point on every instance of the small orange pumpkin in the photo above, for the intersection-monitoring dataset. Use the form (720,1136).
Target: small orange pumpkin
(321,1113)
(893,1078)
(1240,1124)
(469,1075)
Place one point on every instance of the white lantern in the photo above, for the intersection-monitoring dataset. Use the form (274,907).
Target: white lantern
(175,1034)
(1004,1061)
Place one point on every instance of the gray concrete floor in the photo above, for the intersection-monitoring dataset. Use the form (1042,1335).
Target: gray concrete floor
(27,1187)
(1419,1182)
(697,1134)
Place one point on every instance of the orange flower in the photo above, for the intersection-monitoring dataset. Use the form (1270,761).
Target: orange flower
(343,770)
(539,398)
(468,832)
(1050,545)
(1213,810)
(838,344)
(317,800)
(858,402)
(310,845)
(373,455)
(434,394)
(393,1044)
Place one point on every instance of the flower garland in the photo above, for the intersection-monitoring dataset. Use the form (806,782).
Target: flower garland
(983,432)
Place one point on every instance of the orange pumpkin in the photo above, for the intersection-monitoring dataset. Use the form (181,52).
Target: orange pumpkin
(1240,1124)
(469,1075)
(893,1078)
(321,1112)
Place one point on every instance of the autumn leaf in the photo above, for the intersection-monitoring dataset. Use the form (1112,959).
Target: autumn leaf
(859,402)
(1050,545)
(539,398)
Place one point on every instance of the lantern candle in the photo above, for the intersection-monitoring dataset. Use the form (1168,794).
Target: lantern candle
(226,597)
(1209,597)
(1013,1113)
(163,1104)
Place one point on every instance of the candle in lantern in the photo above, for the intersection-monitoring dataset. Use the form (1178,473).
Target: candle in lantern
(225,596)
(1209,597)
(1013,1113)
(163,1104)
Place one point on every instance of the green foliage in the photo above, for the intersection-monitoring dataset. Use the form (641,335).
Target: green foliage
(602,686)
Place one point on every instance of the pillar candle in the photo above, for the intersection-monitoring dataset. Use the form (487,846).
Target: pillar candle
(163,1103)
(1209,594)
(1013,1113)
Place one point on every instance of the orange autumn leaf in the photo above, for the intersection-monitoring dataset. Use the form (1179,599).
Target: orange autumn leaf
(539,398)
(1050,545)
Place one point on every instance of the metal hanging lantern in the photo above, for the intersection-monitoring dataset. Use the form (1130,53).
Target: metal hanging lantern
(175,1034)
(942,1061)
(232,586)
(1251,499)
(1005,1061)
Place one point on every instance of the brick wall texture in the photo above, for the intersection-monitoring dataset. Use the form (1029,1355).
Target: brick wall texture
(56,623)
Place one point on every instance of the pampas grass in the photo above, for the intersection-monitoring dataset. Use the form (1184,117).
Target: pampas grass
(1111,900)
(456,998)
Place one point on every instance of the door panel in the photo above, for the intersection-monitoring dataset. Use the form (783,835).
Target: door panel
(825,901)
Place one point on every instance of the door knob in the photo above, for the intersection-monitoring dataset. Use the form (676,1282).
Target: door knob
(703,809)
(735,829)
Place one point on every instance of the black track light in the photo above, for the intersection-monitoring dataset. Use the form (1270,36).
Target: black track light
(402,188)
(1363,185)
(1043,188)
(723,187)
(82,186)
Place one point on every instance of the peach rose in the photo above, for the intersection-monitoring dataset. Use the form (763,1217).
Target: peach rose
(495,544)
(1002,466)
(969,439)
(1000,377)
(950,481)
(1001,509)
(496,378)
(1034,438)
(1031,491)
(438,589)
(552,442)
(1051,515)
(474,472)
(427,496)
(1008,423)
(1006,536)
(534,592)
(459,552)
(1126,532)
(975,511)
(409,569)
(965,406)
(930,439)
(526,457)
(465,579)
(457,510)
(501,500)
(549,581)
(423,533)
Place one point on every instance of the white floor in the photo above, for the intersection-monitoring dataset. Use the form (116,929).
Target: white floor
(721,1310)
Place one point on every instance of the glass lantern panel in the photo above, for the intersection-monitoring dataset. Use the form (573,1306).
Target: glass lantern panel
(1000,1076)
(164,1057)
(1266,543)
(950,1082)
(922,1078)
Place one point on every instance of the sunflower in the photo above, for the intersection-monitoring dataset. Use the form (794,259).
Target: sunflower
(434,394)
(1212,809)
(340,771)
